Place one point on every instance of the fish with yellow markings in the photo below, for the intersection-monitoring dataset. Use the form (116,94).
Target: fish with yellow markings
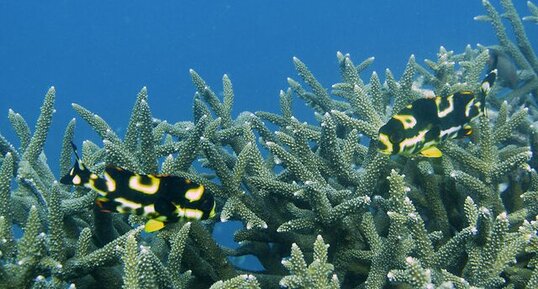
(419,127)
(161,198)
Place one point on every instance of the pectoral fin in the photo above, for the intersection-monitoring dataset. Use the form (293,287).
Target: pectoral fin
(153,225)
(431,152)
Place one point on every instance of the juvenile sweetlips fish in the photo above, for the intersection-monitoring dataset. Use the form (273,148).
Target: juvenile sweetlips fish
(422,125)
(506,69)
(161,198)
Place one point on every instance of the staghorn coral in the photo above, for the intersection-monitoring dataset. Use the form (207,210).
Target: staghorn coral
(307,193)
(315,275)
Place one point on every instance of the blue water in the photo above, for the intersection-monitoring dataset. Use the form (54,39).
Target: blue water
(101,53)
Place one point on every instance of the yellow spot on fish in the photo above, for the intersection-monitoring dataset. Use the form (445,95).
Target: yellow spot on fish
(94,176)
(135,183)
(408,121)
(195,194)
(446,111)
(110,182)
(153,225)
(451,132)
(193,213)
(72,171)
(413,141)
(149,209)
(468,107)
(190,213)
(76,180)
(128,204)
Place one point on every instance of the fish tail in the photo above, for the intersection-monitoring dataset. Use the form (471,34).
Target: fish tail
(486,86)
(74,147)
(79,173)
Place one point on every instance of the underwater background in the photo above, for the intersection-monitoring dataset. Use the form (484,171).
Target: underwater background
(100,54)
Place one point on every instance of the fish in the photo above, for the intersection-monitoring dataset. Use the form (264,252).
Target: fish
(422,125)
(161,198)
(506,69)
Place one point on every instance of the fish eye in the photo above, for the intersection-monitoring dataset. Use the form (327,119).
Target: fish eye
(396,137)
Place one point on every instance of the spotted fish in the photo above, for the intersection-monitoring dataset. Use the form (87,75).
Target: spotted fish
(161,198)
(419,127)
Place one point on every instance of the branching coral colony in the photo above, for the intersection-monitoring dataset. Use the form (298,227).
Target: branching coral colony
(320,208)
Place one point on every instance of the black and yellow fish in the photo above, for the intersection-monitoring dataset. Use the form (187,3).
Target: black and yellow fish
(422,125)
(161,198)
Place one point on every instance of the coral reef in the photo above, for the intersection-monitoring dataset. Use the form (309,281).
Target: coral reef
(321,207)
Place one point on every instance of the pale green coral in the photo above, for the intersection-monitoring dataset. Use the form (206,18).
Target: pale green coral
(239,282)
(319,274)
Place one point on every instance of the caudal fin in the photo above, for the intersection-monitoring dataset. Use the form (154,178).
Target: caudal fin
(486,86)
(488,82)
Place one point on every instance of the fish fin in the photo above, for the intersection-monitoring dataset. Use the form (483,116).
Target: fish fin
(431,152)
(153,225)
(117,172)
(79,172)
(502,187)
(212,213)
(101,201)
(74,147)
(485,87)
(78,175)
(67,179)
(488,82)
(78,160)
